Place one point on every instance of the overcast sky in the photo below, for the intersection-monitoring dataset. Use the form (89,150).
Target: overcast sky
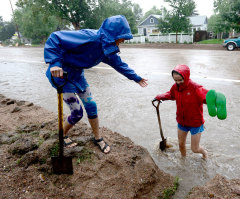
(204,7)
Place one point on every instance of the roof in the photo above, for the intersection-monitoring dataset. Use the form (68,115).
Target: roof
(152,15)
(198,20)
(157,16)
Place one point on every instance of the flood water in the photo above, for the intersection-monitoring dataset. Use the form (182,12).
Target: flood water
(126,108)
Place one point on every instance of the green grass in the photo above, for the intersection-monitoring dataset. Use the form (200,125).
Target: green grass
(54,150)
(36,45)
(85,155)
(211,41)
(168,193)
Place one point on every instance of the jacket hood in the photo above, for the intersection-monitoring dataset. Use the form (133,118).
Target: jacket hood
(184,70)
(113,28)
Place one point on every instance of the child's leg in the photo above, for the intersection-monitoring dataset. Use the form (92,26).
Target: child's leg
(196,148)
(91,109)
(182,136)
(72,102)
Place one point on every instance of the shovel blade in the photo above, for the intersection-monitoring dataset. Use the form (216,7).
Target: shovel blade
(163,144)
(62,165)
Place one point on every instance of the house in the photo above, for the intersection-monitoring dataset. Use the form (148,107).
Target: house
(198,23)
(149,25)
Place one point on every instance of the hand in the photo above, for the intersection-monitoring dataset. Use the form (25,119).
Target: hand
(143,82)
(56,71)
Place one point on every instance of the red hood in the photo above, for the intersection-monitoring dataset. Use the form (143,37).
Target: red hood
(185,72)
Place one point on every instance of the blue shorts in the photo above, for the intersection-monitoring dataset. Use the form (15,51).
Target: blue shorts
(193,130)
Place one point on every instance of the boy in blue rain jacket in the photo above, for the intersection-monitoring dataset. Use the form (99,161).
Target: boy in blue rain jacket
(74,51)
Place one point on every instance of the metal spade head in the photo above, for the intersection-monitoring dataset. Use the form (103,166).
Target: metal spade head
(62,165)
(163,144)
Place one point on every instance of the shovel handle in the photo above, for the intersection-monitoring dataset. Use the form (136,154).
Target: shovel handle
(60,87)
(158,115)
(60,111)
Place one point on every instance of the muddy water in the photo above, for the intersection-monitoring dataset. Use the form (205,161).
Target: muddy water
(125,107)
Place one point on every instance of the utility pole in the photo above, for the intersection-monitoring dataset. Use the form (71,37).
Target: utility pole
(15,21)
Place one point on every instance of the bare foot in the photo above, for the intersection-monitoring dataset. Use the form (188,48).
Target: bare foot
(205,155)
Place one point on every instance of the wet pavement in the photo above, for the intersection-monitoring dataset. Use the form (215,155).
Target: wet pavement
(126,108)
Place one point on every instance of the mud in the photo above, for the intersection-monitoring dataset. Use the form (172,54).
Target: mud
(28,138)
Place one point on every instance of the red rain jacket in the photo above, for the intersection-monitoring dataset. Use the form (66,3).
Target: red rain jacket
(189,97)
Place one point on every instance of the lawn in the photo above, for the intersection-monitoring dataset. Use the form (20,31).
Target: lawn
(211,41)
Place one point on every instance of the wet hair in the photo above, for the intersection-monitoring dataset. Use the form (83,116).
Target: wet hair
(177,73)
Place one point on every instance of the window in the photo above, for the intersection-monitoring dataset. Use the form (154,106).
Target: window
(155,31)
(151,20)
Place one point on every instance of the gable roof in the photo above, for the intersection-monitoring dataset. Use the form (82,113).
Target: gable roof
(152,15)
(198,20)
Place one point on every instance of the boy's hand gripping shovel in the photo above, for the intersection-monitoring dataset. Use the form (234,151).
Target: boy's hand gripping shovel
(163,143)
(61,164)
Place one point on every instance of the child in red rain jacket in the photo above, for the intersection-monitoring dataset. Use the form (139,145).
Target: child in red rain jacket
(190,98)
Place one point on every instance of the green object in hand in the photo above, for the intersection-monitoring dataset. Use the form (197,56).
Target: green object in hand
(221,106)
(216,103)
(211,102)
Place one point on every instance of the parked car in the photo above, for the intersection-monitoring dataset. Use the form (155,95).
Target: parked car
(232,43)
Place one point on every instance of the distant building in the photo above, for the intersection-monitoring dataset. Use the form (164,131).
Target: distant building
(149,26)
(199,23)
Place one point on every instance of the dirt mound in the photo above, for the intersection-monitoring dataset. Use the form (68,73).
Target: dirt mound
(218,188)
(29,137)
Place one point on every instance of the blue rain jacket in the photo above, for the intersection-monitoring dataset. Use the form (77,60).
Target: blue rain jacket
(75,51)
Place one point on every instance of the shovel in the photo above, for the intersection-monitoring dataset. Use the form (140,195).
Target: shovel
(61,164)
(163,143)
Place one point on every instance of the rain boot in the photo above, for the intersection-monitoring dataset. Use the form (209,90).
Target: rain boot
(221,106)
(211,102)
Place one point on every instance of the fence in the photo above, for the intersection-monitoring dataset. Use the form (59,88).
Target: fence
(170,38)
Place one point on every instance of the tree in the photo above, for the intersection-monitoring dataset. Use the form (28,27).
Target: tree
(154,10)
(107,8)
(137,11)
(34,23)
(7,29)
(84,13)
(74,11)
(217,25)
(177,20)
(229,10)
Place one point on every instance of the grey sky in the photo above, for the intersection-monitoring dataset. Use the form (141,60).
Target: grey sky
(204,7)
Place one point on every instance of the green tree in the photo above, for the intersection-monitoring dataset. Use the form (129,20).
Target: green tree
(85,13)
(217,25)
(177,20)
(7,29)
(74,11)
(35,24)
(107,8)
(229,10)
(137,11)
(154,10)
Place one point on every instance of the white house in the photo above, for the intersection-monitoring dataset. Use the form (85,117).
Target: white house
(198,22)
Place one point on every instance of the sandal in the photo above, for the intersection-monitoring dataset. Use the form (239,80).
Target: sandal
(96,142)
(68,142)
